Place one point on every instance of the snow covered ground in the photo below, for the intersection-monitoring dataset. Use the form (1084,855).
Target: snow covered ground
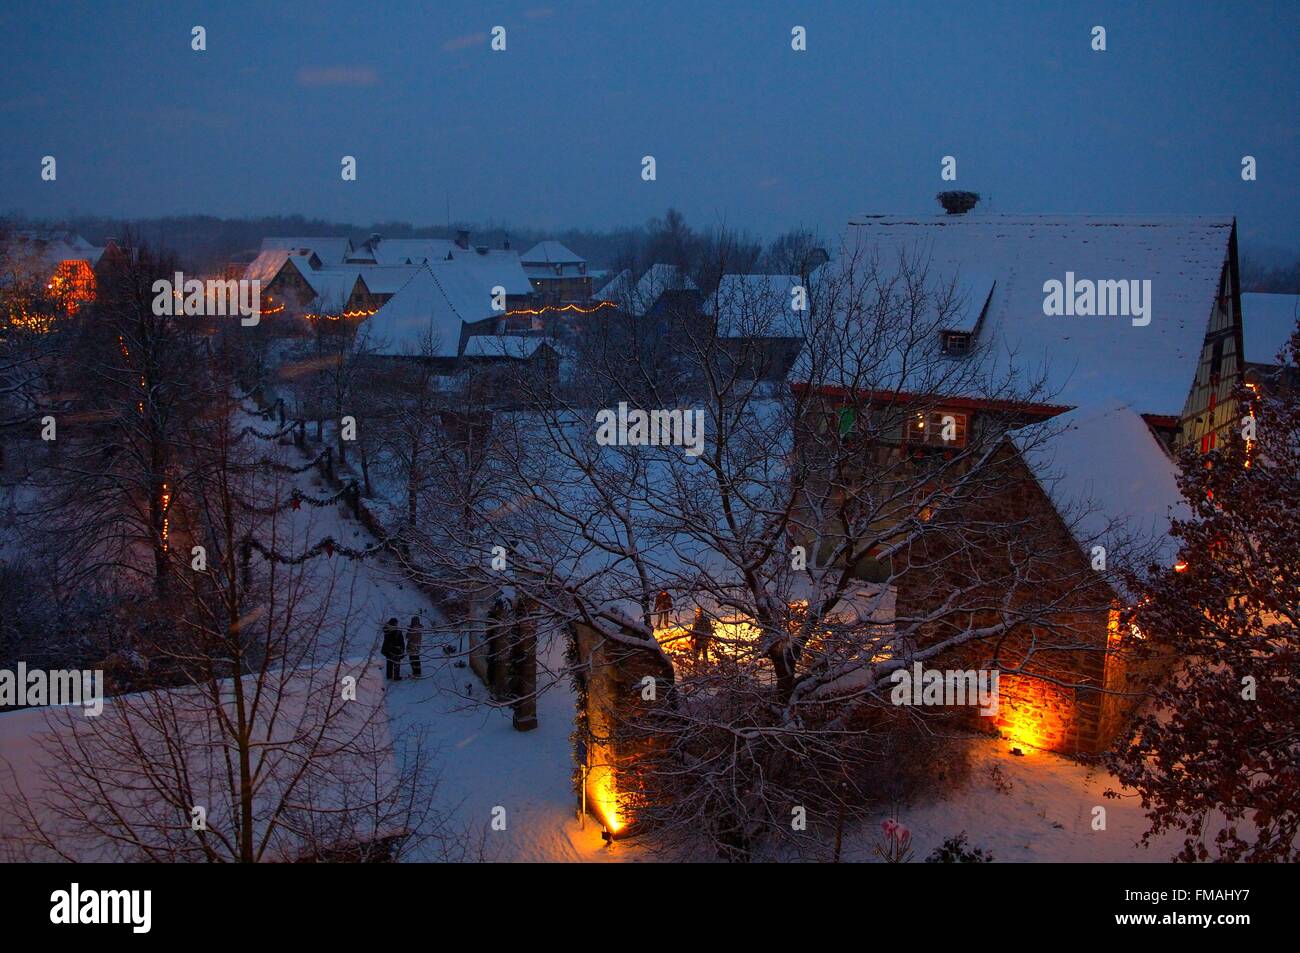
(1039,809)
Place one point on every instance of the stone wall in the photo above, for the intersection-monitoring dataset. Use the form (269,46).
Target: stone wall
(614,666)
(1056,679)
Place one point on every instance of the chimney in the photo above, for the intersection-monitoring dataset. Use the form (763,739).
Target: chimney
(958,202)
(462,238)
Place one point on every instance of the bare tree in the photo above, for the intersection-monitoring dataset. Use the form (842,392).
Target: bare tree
(128,379)
(265,735)
(814,545)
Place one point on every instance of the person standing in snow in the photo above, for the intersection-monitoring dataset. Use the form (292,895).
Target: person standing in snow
(663,606)
(701,632)
(414,636)
(392,649)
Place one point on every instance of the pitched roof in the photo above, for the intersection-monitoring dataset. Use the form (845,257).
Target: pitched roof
(333,286)
(385,279)
(1108,477)
(1085,359)
(266,265)
(436,302)
(29,248)
(550,253)
(658,279)
(1268,321)
(759,306)
(414,251)
(502,345)
(618,289)
(331,251)
(495,266)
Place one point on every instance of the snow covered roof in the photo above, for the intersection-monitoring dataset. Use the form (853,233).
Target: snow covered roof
(385,279)
(266,265)
(495,266)
(658,279)
(551,253)
(412,251)
(437,300)
(1108,477)
(331,251)
(28,248)
(1268,321)
(974,292)
(618,289)
(757,306)
(1085,359)
(333,286)
(502,345)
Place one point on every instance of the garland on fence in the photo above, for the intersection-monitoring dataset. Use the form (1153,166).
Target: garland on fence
(251,431)
(286,468)
(297,498)
(329,546)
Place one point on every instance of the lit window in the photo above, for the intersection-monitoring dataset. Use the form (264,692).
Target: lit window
(938,428)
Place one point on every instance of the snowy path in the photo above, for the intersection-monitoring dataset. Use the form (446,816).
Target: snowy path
(481,761)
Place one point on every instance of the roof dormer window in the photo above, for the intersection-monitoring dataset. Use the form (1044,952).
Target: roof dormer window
(956,343)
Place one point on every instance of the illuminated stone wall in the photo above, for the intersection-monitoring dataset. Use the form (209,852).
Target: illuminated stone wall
(614,668)
(1079,650)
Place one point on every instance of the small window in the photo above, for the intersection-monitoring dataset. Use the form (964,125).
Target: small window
(956,343)
(938,428)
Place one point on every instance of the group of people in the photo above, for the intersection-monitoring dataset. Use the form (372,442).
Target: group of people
(397,643)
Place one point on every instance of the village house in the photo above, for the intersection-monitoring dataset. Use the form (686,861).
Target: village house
(558,275)
(1119,397)
(57,266)
(333,276)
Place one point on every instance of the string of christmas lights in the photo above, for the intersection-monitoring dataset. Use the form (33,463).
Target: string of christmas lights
(577,309)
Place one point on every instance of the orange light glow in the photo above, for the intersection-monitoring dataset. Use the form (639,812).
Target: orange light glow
(1024,731)
(555,309)
(336,317)
(34,322)
(166,504)
(602,796)
(1180,566)
(73,283)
